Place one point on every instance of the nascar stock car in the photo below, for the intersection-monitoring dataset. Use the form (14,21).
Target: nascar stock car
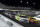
(32,19)
(37,17)
(22,19)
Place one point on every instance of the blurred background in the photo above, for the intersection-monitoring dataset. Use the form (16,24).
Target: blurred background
(11,8)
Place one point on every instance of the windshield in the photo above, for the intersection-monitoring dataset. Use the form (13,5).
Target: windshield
(23,16)
(32,18)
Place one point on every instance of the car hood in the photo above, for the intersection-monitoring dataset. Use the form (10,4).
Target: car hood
(35,20)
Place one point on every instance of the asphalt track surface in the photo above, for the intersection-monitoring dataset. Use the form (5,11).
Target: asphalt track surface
(25,24)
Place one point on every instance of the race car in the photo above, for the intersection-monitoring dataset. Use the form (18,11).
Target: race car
(12,15)
(22,19)
(33,20)
(37,17)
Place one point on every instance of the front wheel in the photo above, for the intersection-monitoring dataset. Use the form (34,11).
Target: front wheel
(36,22)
